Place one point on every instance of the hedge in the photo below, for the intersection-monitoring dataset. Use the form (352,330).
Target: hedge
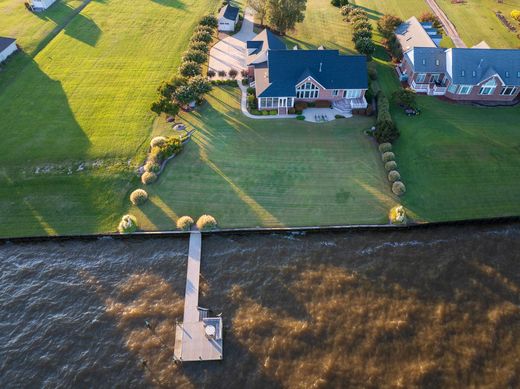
(388,156)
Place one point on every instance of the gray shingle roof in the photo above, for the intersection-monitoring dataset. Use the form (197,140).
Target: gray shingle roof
(327,67)
(5,42)
(412,34)
(480,64)
(229,12)
(425,59)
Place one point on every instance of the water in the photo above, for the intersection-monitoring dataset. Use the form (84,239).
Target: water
(423,308)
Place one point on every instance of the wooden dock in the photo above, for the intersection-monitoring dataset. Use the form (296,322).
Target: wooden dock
(198,337)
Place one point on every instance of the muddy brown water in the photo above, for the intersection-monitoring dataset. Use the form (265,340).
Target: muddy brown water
(434,307)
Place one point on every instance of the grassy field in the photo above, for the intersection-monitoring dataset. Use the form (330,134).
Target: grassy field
(476,21)
(249,172)
(84,101)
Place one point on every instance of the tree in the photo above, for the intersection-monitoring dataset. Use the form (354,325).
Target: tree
(339,3)
(209,20)
(195,56)
(233,73)
(405,97)
(387,25)
(430,17)
(202,36)
(194,89)
(282,15)
(190,69)
(362,25)
(167,88)
(365,46)
(211,73)
(165,105)
(361,34)
(200,46)
(260,7)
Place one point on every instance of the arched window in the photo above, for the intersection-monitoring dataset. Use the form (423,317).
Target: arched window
(307,91)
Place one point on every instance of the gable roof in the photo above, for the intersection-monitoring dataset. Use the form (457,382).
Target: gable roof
(481,64)
(425,59)
(259,45)
(287,68)
(412,34)
(229,12)
(5,42)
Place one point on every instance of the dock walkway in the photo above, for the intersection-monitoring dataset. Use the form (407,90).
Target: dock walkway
(198,337)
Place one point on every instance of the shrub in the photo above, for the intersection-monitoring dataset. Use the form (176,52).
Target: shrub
(190,69)
(339,3)
(384,147)
(362,25)
(339,117)
(300,117)
(386,131)
(138,196)
(322,104)
(252,102)
(398,188)
(365,46)
(127,225)
(202,28)
(388,156)
(244,73)
(311,104)
(298,111)
(148,178)
(233,73)
(359,17)
(198,45)
(157,141)
(273,112)
(393,176)
(291,111)
(184,223)
(152,166)
(211,73)
(387,25)
(390,165)
(347,9)
(255,112)
(197,56)
(357,35)
(222,73)
(515,14)
(300,105)
(245,81)
(202,36)
(406,97)
(209,20)
(265,112)
(251,91)
(397,215)
(206,222)
(165,105)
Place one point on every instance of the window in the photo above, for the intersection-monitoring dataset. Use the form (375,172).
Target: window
(508,91)
(452,88)
(269,102)
(307,91)
(465,90)
(351,93)
(420,78)
(434,77)
(335,92)
(488,88)
(507,74)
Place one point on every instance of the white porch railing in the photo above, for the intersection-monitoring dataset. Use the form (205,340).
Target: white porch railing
(359,103)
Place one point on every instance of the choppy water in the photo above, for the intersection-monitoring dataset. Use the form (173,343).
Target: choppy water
(422,308)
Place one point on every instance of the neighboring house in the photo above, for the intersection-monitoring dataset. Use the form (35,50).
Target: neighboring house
(7,47)
(283,77)
(228,18)
(40,5)
(478,74)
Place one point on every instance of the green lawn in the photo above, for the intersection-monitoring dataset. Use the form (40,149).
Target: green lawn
(84,98)
(249,172)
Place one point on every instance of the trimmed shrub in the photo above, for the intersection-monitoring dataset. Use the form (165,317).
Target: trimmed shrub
(384,147)
(251,102)
(190,69)
(398,188)
(388,156)
(202,36)
(233,73)
(362,25)
(397,215)
(365,46)
(202,28)
(157,141)
(148,178)
(206,222)
(127,225)
(291,111)
(393,176)
(245,81)
(357,35)
(201,46)
(390,165)
(300,117)
(185,223)
(273,112)
(197,56)
(152,166)
(211,73)
(265,112)
(347,9)
(251,91)
(138,196)
(209,20)
(222,73)
(386,131)
(255,112)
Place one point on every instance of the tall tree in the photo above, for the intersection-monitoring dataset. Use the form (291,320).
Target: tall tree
(282,15)
(260,7)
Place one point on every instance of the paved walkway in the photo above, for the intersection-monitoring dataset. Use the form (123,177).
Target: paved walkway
(449,28)
(243,107)
(230,52)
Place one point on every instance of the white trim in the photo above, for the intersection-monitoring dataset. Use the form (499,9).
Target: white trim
(459,91)
(310,79)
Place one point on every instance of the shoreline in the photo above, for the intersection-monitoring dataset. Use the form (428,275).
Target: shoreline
(265,230)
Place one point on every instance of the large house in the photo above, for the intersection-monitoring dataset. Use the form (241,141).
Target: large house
(477,74)
(228,18)
(284,77)
(40,5)
(7,47)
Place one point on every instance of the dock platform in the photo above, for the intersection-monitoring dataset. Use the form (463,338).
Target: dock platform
(198,337)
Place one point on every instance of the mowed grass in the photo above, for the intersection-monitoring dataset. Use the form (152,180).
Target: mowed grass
(85,98)
(476,21)
(249,172)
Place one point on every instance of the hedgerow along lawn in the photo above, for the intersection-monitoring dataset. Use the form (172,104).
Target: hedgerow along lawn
(85,97)
(286,172)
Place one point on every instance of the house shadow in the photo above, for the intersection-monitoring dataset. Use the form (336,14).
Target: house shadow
(42,139)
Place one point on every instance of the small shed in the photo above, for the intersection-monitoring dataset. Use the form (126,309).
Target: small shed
(228,18)
(40,5)
(7,47)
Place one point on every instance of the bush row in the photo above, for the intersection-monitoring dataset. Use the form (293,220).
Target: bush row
(361,27)
(128,223)
(161,148)
(394,177)
(386,130)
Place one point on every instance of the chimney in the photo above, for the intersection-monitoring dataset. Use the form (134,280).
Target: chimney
(321,64)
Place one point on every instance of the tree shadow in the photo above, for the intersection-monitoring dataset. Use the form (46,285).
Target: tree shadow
(171,3)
